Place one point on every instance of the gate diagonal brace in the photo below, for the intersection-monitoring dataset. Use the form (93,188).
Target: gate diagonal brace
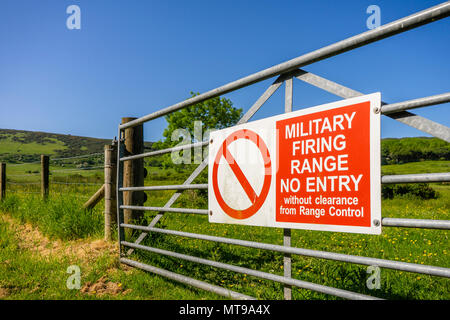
(246,117)
(423,124)
(406,117)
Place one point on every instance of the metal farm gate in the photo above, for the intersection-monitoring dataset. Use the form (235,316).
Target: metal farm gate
(285,73)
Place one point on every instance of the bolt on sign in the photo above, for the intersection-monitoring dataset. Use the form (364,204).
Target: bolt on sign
(314,169)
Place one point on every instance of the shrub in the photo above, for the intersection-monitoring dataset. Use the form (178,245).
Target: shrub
(420,190)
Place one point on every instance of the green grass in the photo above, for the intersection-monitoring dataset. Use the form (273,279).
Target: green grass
(58,217)
(409,245)
(416,167)
(420,246)
(26,275)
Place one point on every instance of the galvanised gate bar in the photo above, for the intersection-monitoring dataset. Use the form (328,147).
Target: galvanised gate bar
(285,73)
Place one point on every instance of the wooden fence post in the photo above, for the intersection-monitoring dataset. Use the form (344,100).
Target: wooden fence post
(133,171)
(2,181)
(44,176)
(96,197)
(110,187)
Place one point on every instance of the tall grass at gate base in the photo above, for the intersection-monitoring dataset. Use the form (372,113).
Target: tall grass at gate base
(58,217)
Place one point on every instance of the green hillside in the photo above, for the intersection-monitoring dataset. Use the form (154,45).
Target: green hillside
(26,146)
(398,151)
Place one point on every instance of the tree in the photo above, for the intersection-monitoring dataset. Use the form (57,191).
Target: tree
(192,124)
(215,113)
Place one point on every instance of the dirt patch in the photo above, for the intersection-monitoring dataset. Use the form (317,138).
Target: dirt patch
(102,286)
(32,239)
(4,292)
(85,251)
(90,251)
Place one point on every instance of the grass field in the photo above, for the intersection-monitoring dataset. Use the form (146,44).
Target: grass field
(417,167)
(419,246)
(61,220)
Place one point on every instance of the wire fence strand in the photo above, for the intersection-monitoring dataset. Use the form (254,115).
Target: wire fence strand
(20,186)
(78,157)
(60,159)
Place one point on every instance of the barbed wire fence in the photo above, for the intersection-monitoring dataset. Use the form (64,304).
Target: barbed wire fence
(66,174)
(87,177)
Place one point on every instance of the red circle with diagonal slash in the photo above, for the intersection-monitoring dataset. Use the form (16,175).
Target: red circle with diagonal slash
(256,200)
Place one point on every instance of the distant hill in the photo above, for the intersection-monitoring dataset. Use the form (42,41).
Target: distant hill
(397,151)
(27,146)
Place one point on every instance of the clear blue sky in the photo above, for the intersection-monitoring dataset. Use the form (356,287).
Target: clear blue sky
(131,58)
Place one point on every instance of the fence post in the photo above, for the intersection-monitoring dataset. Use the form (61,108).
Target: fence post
(287,232)
(133,170)
(110,187)
(96,197)
(44,176)
(2,180)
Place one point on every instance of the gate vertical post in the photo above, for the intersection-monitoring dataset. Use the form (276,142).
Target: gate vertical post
(2,181)
(287,232)
(119,194)
(133,170)
(44,176)
(110,187)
